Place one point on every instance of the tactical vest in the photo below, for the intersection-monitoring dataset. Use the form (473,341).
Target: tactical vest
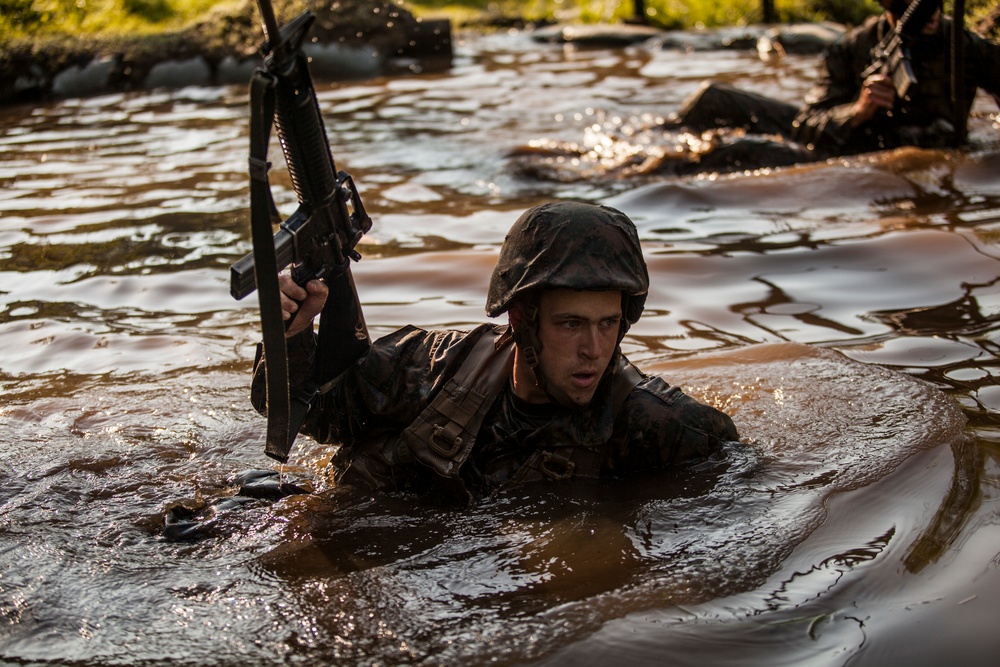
(443,435)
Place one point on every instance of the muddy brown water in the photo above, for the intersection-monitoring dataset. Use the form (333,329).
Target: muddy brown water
(846,314)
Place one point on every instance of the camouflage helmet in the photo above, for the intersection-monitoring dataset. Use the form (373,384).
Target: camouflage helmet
(574,246)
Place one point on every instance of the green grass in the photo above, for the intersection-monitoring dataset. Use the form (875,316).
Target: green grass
(83,18)
(74,19)
(670,14)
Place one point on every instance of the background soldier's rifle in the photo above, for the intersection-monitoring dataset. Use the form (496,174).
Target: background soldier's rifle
(891,56)
(318,239)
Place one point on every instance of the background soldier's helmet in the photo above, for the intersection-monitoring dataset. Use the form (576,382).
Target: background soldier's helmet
(574,246)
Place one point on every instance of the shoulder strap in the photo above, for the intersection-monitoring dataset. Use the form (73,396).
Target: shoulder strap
(280,432)
(441,437)
(625,380)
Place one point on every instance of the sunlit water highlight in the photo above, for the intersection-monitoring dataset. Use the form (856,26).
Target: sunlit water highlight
(845,314)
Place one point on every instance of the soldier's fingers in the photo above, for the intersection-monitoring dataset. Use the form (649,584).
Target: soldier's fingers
(880,92)
(881,85)
(290,288)
(289,306)
(313,304)
(877,79)
(297,326)
(317,288)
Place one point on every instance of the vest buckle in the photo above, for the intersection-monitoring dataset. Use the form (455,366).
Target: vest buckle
(445,444)
(556,466)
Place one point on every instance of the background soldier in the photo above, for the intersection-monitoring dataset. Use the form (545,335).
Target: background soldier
(848,113)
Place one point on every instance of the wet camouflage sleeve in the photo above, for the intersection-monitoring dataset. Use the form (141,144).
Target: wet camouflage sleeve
(826,117)
(383,391)
(662,427)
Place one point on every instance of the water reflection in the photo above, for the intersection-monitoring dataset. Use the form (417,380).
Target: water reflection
(859,509)
(956,508)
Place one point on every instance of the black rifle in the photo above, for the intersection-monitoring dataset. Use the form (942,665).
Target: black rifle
(318,239)
(891,56)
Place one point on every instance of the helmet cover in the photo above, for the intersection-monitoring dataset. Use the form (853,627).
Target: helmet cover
(570,245)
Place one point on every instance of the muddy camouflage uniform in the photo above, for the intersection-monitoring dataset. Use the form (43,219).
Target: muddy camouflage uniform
(393,410)
(821,127)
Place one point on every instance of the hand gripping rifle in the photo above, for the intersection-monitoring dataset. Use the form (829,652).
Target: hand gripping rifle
(318,239)
(891,56)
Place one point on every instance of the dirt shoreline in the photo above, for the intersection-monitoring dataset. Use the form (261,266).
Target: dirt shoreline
(349,38)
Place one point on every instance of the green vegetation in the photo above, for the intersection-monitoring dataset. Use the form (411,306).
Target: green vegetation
(669,14)
(23,18)
(20,19)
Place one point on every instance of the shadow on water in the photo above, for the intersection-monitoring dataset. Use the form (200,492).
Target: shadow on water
(963,498)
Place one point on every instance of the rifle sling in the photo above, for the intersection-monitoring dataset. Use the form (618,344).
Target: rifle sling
(262,215)
(959,119)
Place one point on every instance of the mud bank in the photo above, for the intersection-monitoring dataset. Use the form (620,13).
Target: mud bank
(349,39)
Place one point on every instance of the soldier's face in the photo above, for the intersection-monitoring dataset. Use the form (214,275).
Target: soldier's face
(579,333)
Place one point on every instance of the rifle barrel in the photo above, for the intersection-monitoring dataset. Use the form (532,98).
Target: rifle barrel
(270,23)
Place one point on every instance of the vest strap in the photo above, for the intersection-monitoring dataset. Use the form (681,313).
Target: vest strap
(441,437)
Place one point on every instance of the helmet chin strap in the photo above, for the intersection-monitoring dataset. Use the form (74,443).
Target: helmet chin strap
(525,330)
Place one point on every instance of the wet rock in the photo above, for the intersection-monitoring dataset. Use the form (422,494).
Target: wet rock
(79,80)
(741,38)
(197,518)
(189,521)
(349,38)
(625,34)
(770,41)
(266,484)
(602,35)
(802,38)
(175,74)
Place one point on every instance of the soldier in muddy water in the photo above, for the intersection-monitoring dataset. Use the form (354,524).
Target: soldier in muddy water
(851,111)
(548,396)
